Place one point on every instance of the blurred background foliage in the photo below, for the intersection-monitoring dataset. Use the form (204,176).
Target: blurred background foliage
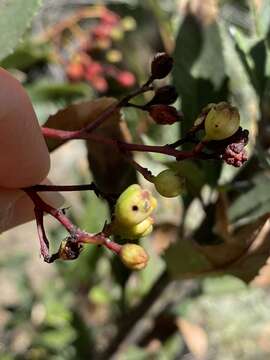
(94,308)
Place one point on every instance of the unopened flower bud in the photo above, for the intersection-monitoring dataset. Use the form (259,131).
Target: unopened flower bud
(221,122)
(169,183)
(161,65)
(69,250)
(133,256)
(166,95)
(132,232)
(134,205)
(164,114)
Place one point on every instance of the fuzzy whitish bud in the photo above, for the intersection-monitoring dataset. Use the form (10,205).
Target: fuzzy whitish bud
(133,256)
(169,183)
(166,95)
(221,122)
(161,65)
(132,232)
(164,114)
(134,205)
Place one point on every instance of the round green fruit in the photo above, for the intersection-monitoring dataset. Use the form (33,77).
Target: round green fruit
(222,121)
(169,183)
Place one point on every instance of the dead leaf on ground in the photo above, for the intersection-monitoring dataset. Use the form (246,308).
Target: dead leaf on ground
(195,337)
(205,11)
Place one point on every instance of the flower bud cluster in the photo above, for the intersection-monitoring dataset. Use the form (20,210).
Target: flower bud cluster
(231,150)
(159,107)
(234,153)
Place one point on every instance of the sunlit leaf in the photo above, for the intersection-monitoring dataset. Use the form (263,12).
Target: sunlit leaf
(16,16)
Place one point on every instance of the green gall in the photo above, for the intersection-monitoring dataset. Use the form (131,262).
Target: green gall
(134,205)
(133,232)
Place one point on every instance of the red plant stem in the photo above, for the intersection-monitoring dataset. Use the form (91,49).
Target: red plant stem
(110,110)
(111,245)
(42,188)
(84,132)
(43,240)
(142,170)
(56,213)
(78,235)
(163,149)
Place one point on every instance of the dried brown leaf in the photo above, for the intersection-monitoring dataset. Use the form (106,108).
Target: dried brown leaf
(240,244)
(205,11)
(77,116)
(111,170)
(245,256)
(195,337)
(222,224)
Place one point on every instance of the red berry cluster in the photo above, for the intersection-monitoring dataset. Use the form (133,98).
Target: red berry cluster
(96,60)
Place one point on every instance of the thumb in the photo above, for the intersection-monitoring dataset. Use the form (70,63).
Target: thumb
(17,208)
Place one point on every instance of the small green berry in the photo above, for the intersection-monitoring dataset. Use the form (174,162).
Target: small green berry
(133,256)
(169,183)
(134,205)
(221,122)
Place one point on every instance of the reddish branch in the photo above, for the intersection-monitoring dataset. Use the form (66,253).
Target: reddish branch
(77,236)
(162,149)
(161,66)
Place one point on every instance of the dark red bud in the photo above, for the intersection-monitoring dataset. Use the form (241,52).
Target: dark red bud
(166,95)
(164,114)
(161,65)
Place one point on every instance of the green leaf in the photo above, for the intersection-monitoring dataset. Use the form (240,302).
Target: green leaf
(192,172)
(223,285)
(210,64)
(16,16)
(199,72)
(57,340)
(26,55)
(184,260)
(258,54)
(52,91)
(252,203)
